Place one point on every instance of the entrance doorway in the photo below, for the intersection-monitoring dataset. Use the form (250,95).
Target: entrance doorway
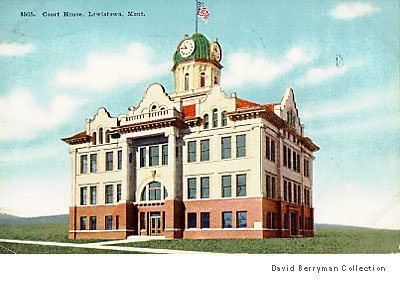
(293,224)
(155,224)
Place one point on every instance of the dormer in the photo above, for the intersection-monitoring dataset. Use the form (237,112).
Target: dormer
(288,111)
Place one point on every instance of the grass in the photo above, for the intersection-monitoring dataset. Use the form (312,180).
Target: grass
(8,248)
(330,240)
(50,232)
(326,241)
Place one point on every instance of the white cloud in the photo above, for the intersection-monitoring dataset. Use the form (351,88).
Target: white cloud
(317,75)
(106,71)
(358,204)
(352,10)
(15,49)
(243,67)
(48,195)
(22,117)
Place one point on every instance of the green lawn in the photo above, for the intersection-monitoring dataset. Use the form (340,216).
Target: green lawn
(8,248)
(338,239)
(328,241)
(50,232)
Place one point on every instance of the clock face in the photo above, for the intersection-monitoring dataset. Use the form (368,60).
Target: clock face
(216,52)
(186,48)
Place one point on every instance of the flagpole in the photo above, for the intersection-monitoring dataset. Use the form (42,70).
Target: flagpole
(197,18)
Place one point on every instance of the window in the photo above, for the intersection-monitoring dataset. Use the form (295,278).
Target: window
(202,79)
(273,187)
(240,146)
(205,150)
(205,220)
(192,151)
(119,159)
(289,158)
(83,223)
(119,192)
(298,163)
(108,222)
(143,196)
(306,168)
(154,156)
(164,155)
(192,188)
(226,147)
(142,157)
(142,221)
(241,219)
(205,187)
(215,118)
(155,191)
(241,185)
(165,193)
(215,80)
(226,219)
(285,193)
(192,220)
(83,195)
(226,186)
(84,164)
(206,122)
(268,148)
(101,136)
(224,118)
(109,193)
(273,150)
(294,161)
(109,161)
(271,220)
(92,222)
(284,155)
(107,137)
(186,81)
(93,163)
(268,186)
(290,191)
(294,193)
(299,193)
(117,222)
(93,195)
(286,221)
(94,138)
(269,217)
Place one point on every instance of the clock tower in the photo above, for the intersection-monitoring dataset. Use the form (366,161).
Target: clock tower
(196,65)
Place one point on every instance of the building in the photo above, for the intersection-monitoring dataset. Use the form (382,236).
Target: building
(194,163)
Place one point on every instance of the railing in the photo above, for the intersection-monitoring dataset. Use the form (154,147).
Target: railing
(152,115)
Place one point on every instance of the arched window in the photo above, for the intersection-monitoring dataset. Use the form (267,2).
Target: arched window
(94,138)
(215,80)
(153,108)
(154,190)
(186,81)
(165,193)
(215,118)
(101,136)
(107,137)
(202,79)
(143,196)
(224,118)
(206,123)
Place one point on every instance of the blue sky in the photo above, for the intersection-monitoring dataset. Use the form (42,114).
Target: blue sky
(56,72)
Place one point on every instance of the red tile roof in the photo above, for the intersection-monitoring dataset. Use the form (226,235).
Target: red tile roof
(78,138)
(270,106)
(245,104)
(189,111)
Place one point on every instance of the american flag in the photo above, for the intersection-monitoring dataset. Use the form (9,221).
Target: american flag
(202,11)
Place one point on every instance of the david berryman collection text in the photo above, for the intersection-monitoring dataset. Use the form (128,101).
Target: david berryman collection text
(321,269)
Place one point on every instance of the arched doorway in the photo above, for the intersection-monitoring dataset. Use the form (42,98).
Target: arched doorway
(151,209)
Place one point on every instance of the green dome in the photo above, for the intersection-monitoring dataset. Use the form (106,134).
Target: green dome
(201,50)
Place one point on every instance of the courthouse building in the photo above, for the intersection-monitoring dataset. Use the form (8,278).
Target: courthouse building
(193,163)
